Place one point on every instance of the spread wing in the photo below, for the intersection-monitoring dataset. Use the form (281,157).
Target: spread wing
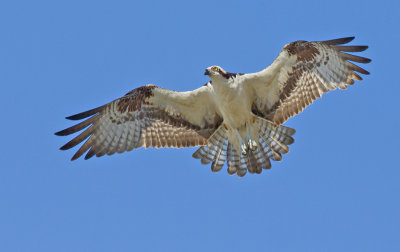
(301,73)
(148,116)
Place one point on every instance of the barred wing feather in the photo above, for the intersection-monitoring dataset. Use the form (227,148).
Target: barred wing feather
(301,73)
(148,116)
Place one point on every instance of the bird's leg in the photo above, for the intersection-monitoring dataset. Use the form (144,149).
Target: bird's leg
(252,145)
(242,145)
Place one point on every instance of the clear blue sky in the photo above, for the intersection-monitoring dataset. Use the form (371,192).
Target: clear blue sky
(337,190)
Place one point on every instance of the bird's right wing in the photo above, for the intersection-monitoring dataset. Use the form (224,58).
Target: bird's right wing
(148,116)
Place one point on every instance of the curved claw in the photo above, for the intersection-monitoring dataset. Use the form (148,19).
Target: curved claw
(252,145)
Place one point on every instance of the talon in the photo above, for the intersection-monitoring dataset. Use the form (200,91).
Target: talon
(252,145)
(243,147)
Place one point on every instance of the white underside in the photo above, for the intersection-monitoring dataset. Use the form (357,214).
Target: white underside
(233,101)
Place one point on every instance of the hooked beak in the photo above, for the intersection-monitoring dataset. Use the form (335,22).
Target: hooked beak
(206,72)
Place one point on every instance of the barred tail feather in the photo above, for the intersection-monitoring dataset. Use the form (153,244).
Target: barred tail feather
(251,163)
(220,158)
(213,149)
(273,141)
(233,160)
(259,160)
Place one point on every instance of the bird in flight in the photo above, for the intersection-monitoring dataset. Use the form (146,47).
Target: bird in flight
(235,118)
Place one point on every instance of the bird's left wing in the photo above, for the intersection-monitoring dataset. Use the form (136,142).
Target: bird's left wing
(148,116)
(301,73)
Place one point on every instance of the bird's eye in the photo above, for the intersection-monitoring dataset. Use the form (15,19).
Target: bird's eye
(215,69)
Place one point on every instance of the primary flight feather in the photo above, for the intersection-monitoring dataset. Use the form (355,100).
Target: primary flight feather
(235,118)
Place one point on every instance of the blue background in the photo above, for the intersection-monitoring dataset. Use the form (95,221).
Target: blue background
(337,189)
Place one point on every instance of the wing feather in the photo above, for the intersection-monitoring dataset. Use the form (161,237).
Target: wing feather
(355,58)
(338,41)
(301,73)
(148,116)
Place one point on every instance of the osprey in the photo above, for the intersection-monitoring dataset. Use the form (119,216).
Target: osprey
(235,118)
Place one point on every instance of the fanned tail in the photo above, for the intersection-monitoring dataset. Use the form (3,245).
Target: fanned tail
(215,150)
(273,141)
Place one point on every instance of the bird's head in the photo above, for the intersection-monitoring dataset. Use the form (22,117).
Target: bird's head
(214,71)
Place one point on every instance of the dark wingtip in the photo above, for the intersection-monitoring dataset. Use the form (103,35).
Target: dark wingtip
(77,155)
(350,48)
(85,114)
(78,139)
(65,147)
(74,117)
(362,48)
(59,133)
(338,41)
(65,132)
(78,126)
